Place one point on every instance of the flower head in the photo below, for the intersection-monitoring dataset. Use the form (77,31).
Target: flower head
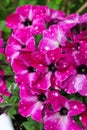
(61,117)
(32,103)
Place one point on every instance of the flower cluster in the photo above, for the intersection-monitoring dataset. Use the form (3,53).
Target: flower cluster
(51,73)
(3,86)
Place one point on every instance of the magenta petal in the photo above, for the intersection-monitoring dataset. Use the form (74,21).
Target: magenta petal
(25,107)
(12,21)
(19,67)
(76,83)
(31,44)
(46,46)
(24,10)
(40,11)
(25,93)
(12,49)
(83,119)
(38,26)
(22,35)
(57,14)
(31,108)
(25,38)
(30,78)
(51,39)
(83,91)
(29,104)
(56,122)
(56,100)
(43,82)
(54,55)
(36,113)
(73,84)
(1,45)
(72,125)
(74,107)
(62,76)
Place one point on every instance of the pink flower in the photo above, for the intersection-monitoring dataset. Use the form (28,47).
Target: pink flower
(32,67)
(57,34)
(51,39)
(54,17)
(3,87)
(77,81)
(51,68)
(36,18)
(20,40)
(66,30)
(61,117)
(76,47)
(73,26)
(32,103)
(28,16)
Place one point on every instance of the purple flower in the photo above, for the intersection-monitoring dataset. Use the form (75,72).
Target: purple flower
(61,118)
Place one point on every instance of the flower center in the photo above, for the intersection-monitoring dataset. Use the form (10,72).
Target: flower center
(77,46)
(63,111)
(53,21)
(23,46)
(79,27)
(31,69)
(42,98)
(82,69)
(27,22)
(51,68)
(76,29)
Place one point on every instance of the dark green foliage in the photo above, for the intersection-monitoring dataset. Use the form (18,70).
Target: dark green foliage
(32,125)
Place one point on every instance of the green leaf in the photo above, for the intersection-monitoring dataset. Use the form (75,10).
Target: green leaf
(2,24)
(58,1)
(32,125)
(23,2)
(52,5)
(4,2)
(6,99)
(13,88)
(41,2)
(13,99)
(12,111)
(3,104)
(37,39)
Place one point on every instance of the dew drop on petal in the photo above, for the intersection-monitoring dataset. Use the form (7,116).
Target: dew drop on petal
(47,48)
(80,118)
(75,107)
(56,94)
